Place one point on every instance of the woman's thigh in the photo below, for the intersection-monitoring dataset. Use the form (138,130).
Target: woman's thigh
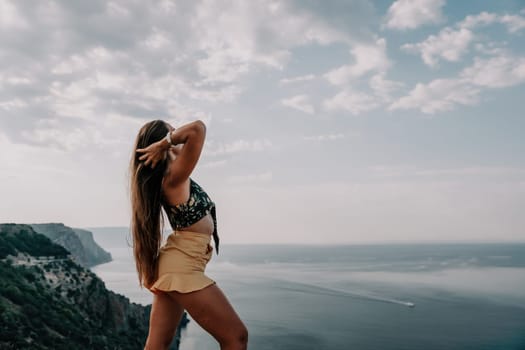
(210,308)
(165,316)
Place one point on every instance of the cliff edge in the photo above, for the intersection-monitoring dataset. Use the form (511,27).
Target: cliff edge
(48,301)
(79,242)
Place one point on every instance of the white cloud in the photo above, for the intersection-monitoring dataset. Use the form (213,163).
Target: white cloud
(452,43)
(351,101)
(223,67)
(116,10)
(109,134)
(496,72)
(302,78)
(10,16)
(142,61)
(13,104)
(437,96)
(62,139)
(369,57)
(299,102)
(410,14)
(358,102)
(513,23)
(483,18)
(491,48)
(218,148)
(445,94)
(383,88)
(157,39)
(449,44)
(258,33)
(15,80)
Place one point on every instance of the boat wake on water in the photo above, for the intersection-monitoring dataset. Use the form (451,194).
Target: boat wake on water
(312,288)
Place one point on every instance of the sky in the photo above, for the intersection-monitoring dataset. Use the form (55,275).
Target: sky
(328,122)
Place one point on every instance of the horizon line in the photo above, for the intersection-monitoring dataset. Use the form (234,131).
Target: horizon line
(408,242)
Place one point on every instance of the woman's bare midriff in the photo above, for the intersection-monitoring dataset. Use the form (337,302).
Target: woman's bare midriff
(204,225)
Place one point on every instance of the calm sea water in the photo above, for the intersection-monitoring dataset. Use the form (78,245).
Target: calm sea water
(417,296)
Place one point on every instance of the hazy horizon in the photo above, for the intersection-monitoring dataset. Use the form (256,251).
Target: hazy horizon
(327,122)
(167,231)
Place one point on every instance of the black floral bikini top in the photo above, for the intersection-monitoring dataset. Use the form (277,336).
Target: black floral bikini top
(198,205)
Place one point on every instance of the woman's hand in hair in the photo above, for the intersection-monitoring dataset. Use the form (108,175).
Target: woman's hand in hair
(154,153)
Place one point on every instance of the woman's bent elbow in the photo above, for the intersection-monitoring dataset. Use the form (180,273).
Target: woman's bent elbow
(200,126)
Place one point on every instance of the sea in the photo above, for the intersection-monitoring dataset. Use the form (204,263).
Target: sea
(444,296)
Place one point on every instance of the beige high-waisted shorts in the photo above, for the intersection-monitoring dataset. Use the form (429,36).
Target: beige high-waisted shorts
(182,261)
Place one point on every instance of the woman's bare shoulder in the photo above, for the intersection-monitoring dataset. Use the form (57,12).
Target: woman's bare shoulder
(176,193)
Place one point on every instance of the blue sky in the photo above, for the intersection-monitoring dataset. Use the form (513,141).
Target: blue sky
(327,121)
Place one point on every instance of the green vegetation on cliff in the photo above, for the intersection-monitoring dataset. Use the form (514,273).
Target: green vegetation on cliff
(48,301)
(34,316)
(21,238)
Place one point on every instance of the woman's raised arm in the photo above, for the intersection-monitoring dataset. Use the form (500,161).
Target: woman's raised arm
(192,136)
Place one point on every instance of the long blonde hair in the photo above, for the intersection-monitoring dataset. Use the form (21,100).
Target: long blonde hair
(146,209)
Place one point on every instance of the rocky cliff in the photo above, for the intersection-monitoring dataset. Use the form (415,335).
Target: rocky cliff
(97,255)
(79,242)
(48,301)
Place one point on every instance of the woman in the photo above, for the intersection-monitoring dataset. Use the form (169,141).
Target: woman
(162,161)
